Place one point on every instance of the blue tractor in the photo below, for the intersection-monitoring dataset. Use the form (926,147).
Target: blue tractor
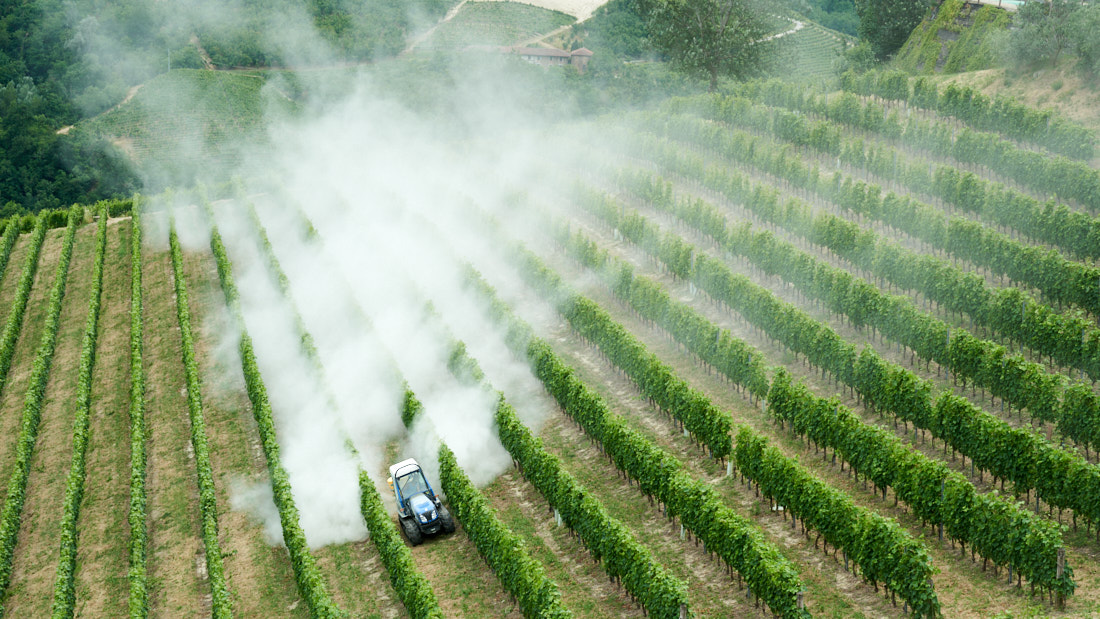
(418,508)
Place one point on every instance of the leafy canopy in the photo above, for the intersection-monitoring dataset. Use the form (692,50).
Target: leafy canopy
(709,38)
(886,24)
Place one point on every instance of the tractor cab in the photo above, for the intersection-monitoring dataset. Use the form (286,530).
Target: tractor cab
(418,508)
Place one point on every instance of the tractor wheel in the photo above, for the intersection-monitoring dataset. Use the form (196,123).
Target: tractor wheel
(412,532)
(447,520)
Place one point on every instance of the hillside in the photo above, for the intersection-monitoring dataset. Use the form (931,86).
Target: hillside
(954,37)
(813,271)
(784,350)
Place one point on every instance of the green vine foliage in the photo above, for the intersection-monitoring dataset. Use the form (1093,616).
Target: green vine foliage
(607,539)
(1014,454)
(1059,279)
(522,576)
(827,350)
(221,601)
(10,517)
(1041,172)
(136,574)
(1070,340)
(415,591)
(885,551)
(770,576)
(999,114)
(14,323)
(705,422)
(7,242)
(64,592)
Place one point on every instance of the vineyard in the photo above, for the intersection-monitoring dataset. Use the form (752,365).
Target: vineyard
(770,352)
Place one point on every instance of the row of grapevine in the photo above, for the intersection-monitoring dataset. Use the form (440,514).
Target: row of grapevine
(14,324)
(1010,377)
(1042,173)
(884,551)
(1021,382)
(415,590)
(139,534)
(64,591)
(868,449)
(607,539)
(221,604)
(10,517)
(1071,340)
(411,586)
(881,456)
(1059,279)
(742,546)
(706,423)
(997,529)
(1000,114)
(1064,480)
(7,244)
(522,576)
(1075,232)
(311,583)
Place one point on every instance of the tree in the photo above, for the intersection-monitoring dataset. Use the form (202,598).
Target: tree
(1044,30)
(1085,24)
(886,24)
(709,37)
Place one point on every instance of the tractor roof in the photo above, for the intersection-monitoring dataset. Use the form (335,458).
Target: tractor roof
(404,468)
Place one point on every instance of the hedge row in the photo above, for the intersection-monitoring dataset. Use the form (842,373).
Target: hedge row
(139,597)
(221,603)
(10,517)
(64,590)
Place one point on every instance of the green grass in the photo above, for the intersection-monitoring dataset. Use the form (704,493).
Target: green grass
(496,23)
(189,123)
(955,39)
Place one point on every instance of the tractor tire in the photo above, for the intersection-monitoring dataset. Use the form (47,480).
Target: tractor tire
(447,520)
(412,532)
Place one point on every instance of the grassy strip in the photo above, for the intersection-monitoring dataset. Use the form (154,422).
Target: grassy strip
(139,597)
(14,324)
(311,583)
(208,506)
(10,518)
(64,590)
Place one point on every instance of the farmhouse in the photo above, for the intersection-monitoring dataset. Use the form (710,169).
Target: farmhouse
(544,56)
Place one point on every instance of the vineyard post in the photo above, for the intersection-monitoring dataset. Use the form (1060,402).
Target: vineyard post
(684,611)
(1060,573)
(947,351)
(941,508)
(799,601)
